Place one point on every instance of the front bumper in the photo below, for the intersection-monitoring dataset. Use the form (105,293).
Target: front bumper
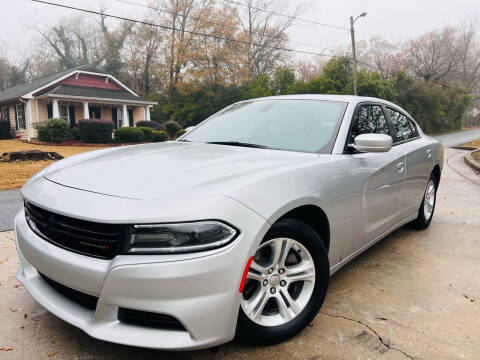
(199,290)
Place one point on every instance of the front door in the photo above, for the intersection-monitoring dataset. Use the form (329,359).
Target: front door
(71,115)
(114,117)
(382,177)
(130,117)
(418,152)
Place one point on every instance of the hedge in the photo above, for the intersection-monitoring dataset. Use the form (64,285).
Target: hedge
(147,132)
(150,124)
(52,130)
(171,127)
(95,131)
(128,134)
(159,136)
(5,132)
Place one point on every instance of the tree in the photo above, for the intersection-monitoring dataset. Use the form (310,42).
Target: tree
(72,42)
(143,68)
(112,45)
(433,56)
(260,25)
(283,79)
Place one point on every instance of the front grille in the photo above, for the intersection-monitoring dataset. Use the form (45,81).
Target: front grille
(149,319)
(80,236)
(82,299)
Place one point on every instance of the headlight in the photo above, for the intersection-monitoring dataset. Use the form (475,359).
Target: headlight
(178,238)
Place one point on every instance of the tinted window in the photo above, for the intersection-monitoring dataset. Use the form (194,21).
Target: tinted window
(369,119)
(414,128)
(401,125)
(298,125)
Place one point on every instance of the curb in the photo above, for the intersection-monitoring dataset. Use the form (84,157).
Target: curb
(474,164)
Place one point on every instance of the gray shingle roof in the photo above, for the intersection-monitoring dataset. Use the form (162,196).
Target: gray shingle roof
(91,92)
(21,90)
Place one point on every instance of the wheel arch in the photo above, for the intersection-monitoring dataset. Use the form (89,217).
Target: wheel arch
(437,173)
(315,217)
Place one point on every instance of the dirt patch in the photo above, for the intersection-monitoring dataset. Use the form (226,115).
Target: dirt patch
(13,175)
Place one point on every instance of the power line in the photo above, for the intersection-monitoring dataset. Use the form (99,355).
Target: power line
(208,22)
(286,16)
(180,30)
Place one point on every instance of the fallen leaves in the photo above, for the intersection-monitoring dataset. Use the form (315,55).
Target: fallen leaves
(52,354)
(6,348)
(469,298)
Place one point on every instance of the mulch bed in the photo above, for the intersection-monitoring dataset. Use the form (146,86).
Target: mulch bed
(71,142)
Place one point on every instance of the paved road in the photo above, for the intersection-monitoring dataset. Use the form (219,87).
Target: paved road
(458,138)
(414,295)
(10,203)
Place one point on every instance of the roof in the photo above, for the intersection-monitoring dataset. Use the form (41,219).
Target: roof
(73,91)
(20,90)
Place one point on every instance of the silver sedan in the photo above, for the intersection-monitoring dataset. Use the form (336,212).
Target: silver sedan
(232,230)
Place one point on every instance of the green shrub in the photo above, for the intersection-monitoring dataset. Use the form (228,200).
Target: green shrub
(5,132)
(151,124)
(52,130)
(180,133)
(147,132)
(95,131)
(128,134)
(159,136)
(171,127)
(75,133)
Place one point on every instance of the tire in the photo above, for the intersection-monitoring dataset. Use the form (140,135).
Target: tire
(425,213)
(307,296)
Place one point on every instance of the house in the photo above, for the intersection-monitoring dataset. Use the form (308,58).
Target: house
(75,94)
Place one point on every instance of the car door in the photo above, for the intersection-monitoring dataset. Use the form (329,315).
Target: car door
(418,153)
(383,176)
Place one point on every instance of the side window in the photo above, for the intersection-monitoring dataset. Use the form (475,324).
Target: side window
(369,119)
(401,125)
(414,128)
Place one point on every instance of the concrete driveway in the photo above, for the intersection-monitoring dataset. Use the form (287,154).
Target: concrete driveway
(416,294)
(10,203)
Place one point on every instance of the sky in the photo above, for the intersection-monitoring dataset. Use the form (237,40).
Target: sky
(394,20)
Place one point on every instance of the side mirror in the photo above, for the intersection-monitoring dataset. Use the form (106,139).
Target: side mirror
(373,143)
(190,128)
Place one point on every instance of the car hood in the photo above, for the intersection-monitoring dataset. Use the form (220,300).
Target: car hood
(152,171)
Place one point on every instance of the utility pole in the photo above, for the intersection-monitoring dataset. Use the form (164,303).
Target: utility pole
(354,55)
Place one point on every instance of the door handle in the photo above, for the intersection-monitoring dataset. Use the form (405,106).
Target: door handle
(400,167)
(429,153)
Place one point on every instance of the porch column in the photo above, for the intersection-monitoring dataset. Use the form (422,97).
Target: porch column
(30,121)
(125,116)
(55,111)
(147,113)
(86,113)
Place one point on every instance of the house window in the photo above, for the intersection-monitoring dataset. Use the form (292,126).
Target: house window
(63,112)
(20,116)
(5,114)
(95,112)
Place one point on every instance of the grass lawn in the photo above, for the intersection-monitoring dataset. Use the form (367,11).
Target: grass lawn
(13,175)
(474,143)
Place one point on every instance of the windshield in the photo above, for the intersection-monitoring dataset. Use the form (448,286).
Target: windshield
(296,125)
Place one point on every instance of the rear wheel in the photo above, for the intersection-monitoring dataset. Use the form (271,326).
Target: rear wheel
(427,207)
(286,284)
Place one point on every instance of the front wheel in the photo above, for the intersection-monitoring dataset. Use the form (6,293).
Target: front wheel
(286,284)
(425,213)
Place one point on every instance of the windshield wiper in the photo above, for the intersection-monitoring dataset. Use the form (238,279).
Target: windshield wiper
(238,143)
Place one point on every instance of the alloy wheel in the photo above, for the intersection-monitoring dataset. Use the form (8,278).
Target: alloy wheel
(280,282)
(429,200)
